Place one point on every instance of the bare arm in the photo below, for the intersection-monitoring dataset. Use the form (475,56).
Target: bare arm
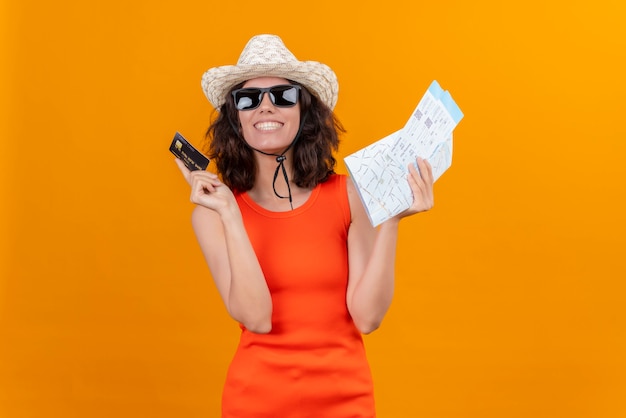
(228,252)
(372,253)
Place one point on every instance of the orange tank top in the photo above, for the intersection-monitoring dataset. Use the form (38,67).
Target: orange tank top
(312,363)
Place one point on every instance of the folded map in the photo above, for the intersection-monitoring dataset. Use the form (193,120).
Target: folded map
(380,170)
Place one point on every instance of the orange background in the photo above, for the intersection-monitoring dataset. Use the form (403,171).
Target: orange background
(510,293)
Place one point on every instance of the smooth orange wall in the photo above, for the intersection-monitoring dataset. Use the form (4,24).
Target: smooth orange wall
(510,292)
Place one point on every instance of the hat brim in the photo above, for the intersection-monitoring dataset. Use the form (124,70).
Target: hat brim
(318,78)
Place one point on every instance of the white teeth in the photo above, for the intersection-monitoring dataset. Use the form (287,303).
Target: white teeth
(268,126)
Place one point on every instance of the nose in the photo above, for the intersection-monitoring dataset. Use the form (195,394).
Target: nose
(266,102)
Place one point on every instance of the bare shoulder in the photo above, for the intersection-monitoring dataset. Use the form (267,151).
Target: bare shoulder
(357,210)
(353,194)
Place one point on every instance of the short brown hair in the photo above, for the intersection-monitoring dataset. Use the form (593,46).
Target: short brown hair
(313,152)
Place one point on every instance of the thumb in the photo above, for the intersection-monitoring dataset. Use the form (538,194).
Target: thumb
(183,169)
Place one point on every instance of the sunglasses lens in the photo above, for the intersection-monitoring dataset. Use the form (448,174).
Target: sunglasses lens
(284,96)
(281,96)
(247,98)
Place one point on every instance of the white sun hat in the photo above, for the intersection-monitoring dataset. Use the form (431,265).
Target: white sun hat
(267,56)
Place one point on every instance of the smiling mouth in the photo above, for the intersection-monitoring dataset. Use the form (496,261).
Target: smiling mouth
(268,126)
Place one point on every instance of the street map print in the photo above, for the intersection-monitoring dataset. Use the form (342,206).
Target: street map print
(380,170)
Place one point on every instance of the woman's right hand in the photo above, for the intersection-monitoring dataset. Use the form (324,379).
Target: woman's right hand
(206,188)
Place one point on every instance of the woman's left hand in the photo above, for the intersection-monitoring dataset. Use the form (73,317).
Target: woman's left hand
(421,182)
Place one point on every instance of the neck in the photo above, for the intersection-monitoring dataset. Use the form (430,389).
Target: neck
(266,170)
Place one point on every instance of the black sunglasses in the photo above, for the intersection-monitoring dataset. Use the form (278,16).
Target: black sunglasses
(284,95)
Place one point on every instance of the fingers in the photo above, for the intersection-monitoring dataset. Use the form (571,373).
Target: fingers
(206,188)
(190,175)
(183,169)
(203,186)
(203,182)
(426,170)
(421,182)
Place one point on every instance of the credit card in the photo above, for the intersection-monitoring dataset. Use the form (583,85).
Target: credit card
(190,156)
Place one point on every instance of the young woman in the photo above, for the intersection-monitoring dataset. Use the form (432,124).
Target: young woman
(287,240)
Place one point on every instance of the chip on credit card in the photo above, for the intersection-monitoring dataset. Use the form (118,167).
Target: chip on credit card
(190,156)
